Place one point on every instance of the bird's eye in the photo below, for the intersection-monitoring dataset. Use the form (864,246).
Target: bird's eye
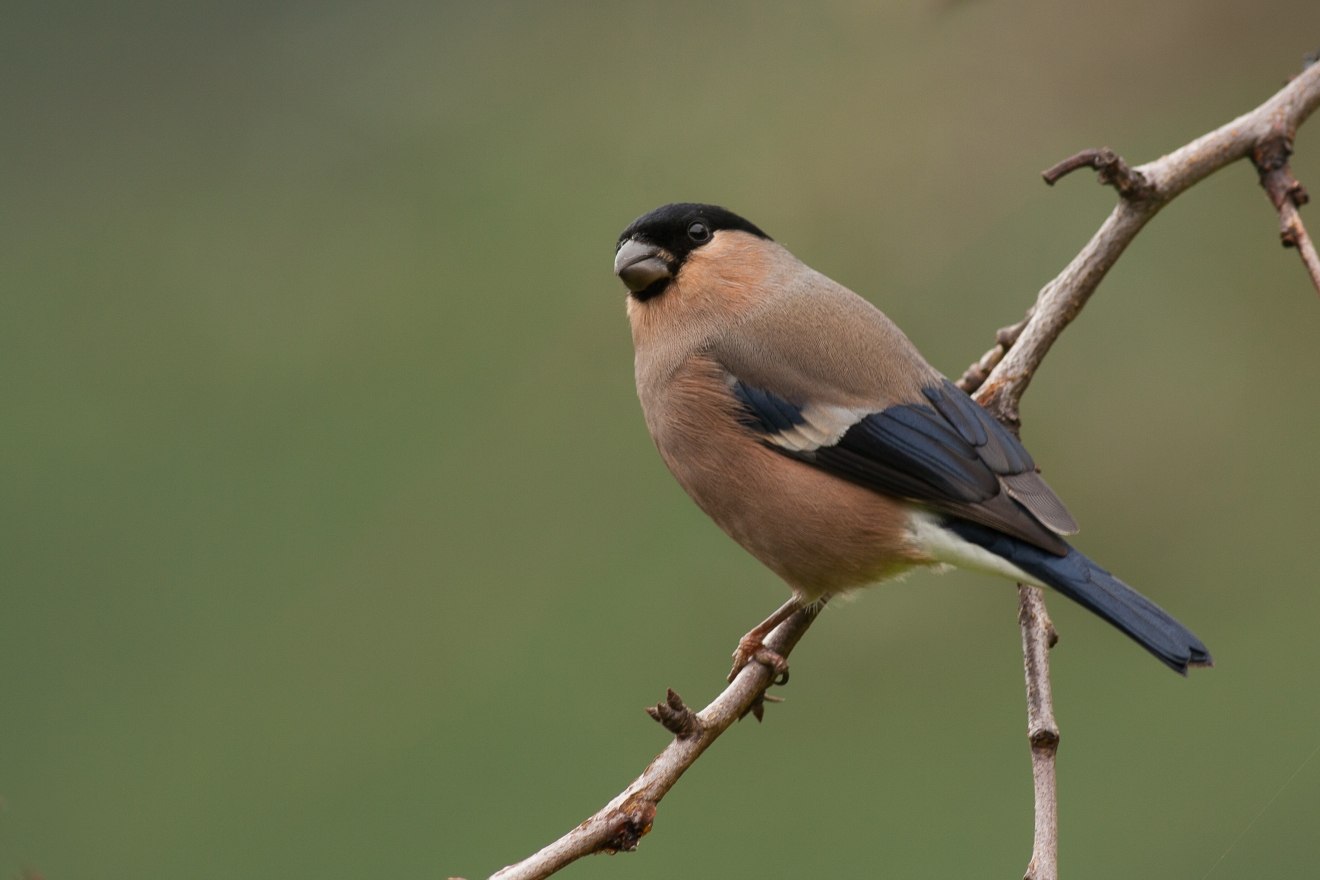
(698,232)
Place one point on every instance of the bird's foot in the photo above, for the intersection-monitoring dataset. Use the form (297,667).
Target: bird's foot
(752,650)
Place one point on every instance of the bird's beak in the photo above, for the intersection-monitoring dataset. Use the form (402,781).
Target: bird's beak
(640,265)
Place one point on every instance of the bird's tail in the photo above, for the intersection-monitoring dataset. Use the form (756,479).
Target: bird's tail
(1089,585)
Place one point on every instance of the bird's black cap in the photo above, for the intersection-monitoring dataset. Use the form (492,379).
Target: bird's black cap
(667,226)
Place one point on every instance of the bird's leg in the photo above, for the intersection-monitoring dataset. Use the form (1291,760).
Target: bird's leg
(751,647)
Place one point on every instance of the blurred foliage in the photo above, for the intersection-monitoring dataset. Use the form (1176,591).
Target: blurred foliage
(334,544)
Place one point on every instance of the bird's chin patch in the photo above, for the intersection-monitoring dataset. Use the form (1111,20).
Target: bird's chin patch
(652,291)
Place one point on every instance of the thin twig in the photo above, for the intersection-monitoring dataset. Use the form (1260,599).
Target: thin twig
(975,375)
(1110,168)
(1038,637)
(1294,234)
(1287,194)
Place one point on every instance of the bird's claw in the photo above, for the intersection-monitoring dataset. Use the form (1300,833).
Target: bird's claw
(753,650)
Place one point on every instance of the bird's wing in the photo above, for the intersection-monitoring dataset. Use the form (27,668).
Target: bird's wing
(945,453)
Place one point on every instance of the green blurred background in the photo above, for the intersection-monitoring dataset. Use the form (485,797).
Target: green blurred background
(333,541)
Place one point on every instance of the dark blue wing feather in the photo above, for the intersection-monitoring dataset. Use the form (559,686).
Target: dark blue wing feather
(916,440)
(765,410)
(1003,452)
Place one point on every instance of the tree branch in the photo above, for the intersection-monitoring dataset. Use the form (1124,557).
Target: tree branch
(1038,637)
(1002,375)
(1287,194)
(1162,180)
(999,380)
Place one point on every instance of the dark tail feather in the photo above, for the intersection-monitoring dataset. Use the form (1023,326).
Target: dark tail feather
(1091,586)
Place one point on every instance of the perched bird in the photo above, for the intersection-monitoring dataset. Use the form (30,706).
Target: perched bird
(809,428)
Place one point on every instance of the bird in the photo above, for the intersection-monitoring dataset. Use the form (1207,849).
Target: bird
(804,422)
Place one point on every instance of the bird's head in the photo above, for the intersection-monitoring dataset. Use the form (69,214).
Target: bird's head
(656,247)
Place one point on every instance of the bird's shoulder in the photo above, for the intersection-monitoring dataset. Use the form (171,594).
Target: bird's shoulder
(813,340)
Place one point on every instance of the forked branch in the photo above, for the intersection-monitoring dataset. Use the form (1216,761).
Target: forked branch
(1001,376)
(1007,371)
